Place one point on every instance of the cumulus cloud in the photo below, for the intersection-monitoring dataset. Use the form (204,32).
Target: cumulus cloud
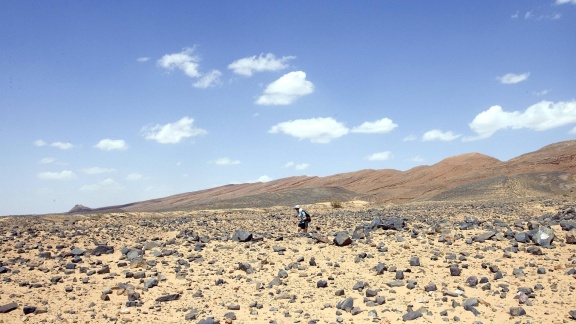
(512,78)
(560,2)
(134,177)
(98,170)
(248,65)
(541,116)
(317,130)
(438,135)
(189,63)
(172,133)
(417,158)
(410,138)
(208,80)
(111,145)
(380,156)
(60,145)
(264,178)
(286,89)
(226,161)
(185,61)
(47,160)
(383,125)
(142,59)
(297,166)
(62,175)
(107,184)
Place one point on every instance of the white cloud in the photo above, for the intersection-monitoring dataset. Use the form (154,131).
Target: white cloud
(189,63)
(515,15)
(226,161)
(541,116)
(554,16)
(62,175)
(47,160)
(380,156)
(410,138)
(264,178)
(541,93)
(383,125)
(107,184)
(142,59)
(184,61)
(317,130)
(438,135)
(528,15)
(173,132)
(98,170)
(560,2)
(134,177)
(111,145)
(512,78)
(40,143)
(208,80)
(248,65)
(417,158)
(300,166)
(62,145)
(286,89)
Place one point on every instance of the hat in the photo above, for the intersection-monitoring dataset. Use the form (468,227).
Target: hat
(297,207)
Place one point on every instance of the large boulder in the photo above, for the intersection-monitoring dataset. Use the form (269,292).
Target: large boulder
(342,239)
(393,223)
(543,236)
(242,235)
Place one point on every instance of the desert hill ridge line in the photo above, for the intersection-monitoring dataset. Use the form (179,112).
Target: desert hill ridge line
(548,171)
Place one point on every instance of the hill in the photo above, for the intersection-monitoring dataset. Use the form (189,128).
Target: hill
(473,176)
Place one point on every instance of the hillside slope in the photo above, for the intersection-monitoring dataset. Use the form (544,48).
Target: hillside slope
(548,171)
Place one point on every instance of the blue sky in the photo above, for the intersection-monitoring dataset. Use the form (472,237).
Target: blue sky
(110,102)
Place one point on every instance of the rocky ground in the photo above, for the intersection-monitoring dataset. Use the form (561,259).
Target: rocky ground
(476,262)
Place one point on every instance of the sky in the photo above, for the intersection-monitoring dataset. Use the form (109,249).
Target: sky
(112,102)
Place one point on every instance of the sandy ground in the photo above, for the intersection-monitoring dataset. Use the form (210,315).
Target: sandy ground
(275,277)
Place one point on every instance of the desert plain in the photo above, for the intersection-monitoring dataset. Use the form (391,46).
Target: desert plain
(491,261)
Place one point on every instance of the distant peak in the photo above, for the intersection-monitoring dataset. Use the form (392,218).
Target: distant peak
(469,157)
(79,208)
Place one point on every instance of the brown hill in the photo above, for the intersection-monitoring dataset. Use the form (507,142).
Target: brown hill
(474,176)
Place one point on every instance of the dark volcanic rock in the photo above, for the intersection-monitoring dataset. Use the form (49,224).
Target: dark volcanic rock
(342,239)
(484,236)
(241,235)
(346,304)
(394,223)
(571,236)
(517,311)
(28,309)
(166,298)
(8,307)
(411,316)
(102,249)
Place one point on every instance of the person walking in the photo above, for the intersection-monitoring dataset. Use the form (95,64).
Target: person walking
(303,219)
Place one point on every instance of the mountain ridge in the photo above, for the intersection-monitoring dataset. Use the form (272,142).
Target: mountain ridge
(550,170)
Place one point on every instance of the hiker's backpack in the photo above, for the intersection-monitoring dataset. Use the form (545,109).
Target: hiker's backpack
(308,217)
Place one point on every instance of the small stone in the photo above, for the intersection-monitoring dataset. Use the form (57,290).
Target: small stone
(517,311)
(28,309)
(166,298)
(8,307)
(411,316)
